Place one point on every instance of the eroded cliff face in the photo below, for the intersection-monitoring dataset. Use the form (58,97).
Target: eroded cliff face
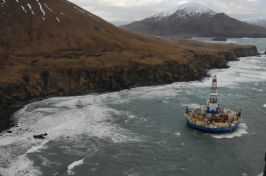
(114,78)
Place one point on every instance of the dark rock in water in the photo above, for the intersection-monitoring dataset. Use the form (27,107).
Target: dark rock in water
(41,136)
(9,131)
(265,52)
(219,39)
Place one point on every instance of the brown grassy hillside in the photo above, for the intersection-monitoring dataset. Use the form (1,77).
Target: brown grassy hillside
(56,46)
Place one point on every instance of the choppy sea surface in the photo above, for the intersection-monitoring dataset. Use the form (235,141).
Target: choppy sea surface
(143,131)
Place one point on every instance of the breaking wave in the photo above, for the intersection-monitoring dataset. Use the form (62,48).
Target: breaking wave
(240,131)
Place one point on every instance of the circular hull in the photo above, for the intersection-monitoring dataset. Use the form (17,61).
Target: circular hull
(212,129)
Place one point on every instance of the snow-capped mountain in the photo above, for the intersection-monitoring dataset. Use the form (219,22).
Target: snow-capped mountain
(192,9)
(194,20)
(257,21)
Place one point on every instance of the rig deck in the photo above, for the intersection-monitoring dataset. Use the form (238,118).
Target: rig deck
(213,117)
(198,118)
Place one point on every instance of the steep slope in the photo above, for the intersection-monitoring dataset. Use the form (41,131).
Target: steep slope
(194,20)
(46,26)
(257,21)
(52,46)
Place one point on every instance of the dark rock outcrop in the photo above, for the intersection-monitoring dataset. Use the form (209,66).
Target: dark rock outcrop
(219,39)
(40,136)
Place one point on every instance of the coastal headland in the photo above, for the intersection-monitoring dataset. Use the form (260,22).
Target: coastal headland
(80,72)
(67,49)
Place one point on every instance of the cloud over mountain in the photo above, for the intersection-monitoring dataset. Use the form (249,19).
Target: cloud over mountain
(125,11)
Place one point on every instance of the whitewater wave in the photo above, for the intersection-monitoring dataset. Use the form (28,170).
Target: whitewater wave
(21,166)
(62,119)
(248,69)
(167,99)
(73,165)
(38,147)
(177,134)
(231,41)
(240,131)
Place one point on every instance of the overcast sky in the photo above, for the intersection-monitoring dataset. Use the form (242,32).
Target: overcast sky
(121,12)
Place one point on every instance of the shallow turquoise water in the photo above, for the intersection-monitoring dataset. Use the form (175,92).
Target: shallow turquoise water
(143,131)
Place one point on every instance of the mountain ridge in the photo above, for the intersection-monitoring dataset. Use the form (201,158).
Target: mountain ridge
(182,22)
(261,21)
(191,9)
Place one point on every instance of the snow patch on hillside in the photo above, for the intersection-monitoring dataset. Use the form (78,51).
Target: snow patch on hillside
(24,9)
(261,21)
(31,9)
(195,7)
(47,7)
(191,9)
(41,9)
(167,13)
(79,9)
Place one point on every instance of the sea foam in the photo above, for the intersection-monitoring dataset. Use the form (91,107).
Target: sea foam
(73,165)
(21,166)
(241,130)
(61,118)
(248,69)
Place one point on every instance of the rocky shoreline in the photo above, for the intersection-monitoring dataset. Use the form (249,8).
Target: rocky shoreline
(77,81)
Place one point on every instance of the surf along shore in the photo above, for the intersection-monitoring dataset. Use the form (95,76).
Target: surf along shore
(78,72)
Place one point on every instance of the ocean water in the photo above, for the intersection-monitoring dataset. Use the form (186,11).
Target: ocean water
(143,131)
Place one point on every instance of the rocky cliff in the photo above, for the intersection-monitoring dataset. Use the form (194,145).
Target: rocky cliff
(117,77)
(49,47)
(144,70)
